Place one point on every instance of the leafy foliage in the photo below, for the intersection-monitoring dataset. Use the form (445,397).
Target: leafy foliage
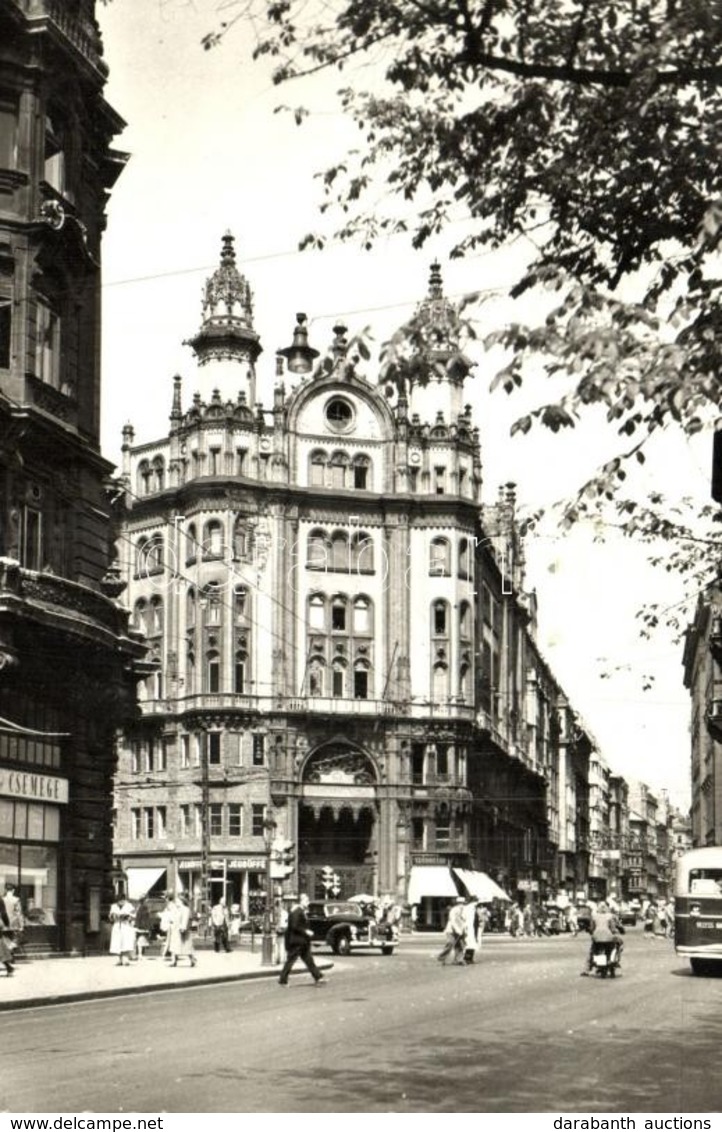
(590,129)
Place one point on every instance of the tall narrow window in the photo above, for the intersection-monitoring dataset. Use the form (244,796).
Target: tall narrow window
(339,552)
(439,480)
(339,463)
(464,558)
(259,749)
(31,549)
(362,553)
(235,819)
(361,684)
(5,332)
(240,603)
(8,134)
(159,473)
(316,612)
(215,816)
(239,676)
(47,344)
(338,615)
(317,469)
(339,681)
(191,543)
(362,473)
(213,540)
(440,557)
(213,672)
(54,171)
(440,618)
(317,557)
(185,751)
(214,748)
(418,760)
(258,819)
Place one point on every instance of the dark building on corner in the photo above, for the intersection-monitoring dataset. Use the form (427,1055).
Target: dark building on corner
(66,656)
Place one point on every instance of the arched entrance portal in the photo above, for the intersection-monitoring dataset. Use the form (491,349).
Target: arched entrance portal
(337,823)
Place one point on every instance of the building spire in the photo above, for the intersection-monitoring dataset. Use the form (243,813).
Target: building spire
(227,336)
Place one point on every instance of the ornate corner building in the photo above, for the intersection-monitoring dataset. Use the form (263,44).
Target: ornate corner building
(343,651)
(66,652)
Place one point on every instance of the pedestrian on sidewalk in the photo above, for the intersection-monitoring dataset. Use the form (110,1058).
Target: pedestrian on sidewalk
(219,923)
(454,931)
(122,936)
(166,922)
(6,955)
(181,936)
(297,938)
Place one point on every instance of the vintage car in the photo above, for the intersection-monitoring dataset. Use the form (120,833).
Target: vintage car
(344,927)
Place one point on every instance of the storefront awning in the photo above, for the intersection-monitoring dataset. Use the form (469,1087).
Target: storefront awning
(430,880)
(481,886)
(140,881)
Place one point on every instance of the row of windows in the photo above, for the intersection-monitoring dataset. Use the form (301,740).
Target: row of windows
(440,558)
(340,614)
(150,823)
(151,754)
(340,470)
(335,551)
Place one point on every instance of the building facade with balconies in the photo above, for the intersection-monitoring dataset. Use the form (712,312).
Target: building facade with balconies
(66,654)
(703,678)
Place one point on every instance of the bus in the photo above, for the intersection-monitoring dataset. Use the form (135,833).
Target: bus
(698,909)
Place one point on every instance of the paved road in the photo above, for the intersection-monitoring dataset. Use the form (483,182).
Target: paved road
(520,1031)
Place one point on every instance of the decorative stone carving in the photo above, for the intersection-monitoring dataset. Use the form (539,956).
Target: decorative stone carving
(340,766)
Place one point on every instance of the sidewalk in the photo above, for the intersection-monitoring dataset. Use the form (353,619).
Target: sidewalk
(45,982)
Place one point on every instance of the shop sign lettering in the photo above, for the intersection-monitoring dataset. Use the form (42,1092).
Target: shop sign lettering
(34,787)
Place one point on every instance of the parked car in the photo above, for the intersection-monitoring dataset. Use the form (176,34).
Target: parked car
(584,917)
(627,916)
(344,927)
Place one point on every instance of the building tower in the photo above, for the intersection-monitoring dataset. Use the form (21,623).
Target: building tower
(65,679)
(226,346)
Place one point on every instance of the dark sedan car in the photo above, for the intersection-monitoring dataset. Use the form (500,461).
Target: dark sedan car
(344,927)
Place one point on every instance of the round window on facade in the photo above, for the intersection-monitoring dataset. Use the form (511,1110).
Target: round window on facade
(339,414)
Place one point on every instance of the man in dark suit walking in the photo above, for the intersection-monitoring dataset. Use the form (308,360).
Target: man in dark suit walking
(298,942)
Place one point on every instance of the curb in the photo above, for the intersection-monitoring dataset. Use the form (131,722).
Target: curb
(61,999)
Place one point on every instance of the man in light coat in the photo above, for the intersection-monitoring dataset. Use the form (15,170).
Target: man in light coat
(455,932)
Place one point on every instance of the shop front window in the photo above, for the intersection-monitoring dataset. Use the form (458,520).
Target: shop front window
(33,869)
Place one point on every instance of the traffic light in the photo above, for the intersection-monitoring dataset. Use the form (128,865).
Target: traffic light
(288,859)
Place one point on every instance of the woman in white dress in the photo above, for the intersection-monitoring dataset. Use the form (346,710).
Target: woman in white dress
(181,936)
(122,936)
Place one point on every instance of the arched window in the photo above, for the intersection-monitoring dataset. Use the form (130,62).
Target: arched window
(159,473)
(361,471)
(440,682)
(139,610)
(212,603)
(240,604)
(361,681)
(150,556)
(338,679)
(190,686)
(240,538)
(464,559)
(156,615)
(440,619)
(362,615)
(239,675)
(316,674)
(190,607)
(191,543)
(339,552)
(317,468)
(213,672)
(465,621)
(317,613)
(339,464)
(144,478)
(464,681)
(213,539)
(440,557)
(317,555)
(339,620)
(362,553)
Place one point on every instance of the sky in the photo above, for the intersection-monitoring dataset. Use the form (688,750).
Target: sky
(208,153)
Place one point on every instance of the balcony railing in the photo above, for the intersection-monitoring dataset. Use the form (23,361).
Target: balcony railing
(54,14)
